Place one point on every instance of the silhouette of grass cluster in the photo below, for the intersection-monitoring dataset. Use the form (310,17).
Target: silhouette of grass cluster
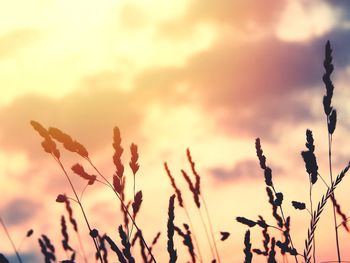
(123,249)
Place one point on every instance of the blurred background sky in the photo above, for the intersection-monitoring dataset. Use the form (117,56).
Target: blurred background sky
(208,75)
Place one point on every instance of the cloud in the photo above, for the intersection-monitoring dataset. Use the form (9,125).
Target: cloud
(19,211)
(14,40)
(243,169)
(88,115)
(236,12)
(248,87)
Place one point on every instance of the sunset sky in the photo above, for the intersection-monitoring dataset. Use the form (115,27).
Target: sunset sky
(206,75)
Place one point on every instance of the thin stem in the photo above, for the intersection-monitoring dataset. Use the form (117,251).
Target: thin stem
(344,221)
(275,227)
(323,180)
(124,207)
(194,234)
(210,227)
(82,248)
(81,206)
(82,192)
(333,195)
(134,186)
(312,210)
(206,232)
(9,238)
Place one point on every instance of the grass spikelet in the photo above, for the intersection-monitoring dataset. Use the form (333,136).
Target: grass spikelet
(245,221)
(154,242)
(68,143)
(262,161)
(118,151)
(247,248)
(274,207)
(192,188)
(64,232)
(79,170)
(103,249)
(266,239)
(115,249)
(173,184)
(70,214)
(48,243)
(187,240)
(200,194)
(170,231)
(47,249)
(224,235)
(126,244)
(272,253)
(340,213)
(310,158)
(134,158)
(196,175)
(48,144)
(136,205)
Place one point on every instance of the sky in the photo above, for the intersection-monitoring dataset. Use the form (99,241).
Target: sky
(206,75)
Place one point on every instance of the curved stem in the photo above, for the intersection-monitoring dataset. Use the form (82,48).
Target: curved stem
(134,186)
(10,239)
(210,227)
(312,210)
(333,195)
(206,233)
(80,205)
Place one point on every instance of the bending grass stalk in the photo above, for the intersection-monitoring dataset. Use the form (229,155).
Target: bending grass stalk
(124,207)
(134,192)
(206,233)
(311,208)
(211,227)
(10,239)
(82,248)
(80,205)
(334,208)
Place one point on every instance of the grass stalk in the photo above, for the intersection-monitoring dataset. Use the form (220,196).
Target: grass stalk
(206,233)
(334,208)
(11,241)
(80,205)
(210,227)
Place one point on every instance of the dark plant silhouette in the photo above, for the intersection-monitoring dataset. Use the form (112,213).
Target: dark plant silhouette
(271,247)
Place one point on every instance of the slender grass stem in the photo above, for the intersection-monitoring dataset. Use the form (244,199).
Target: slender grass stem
(206,233)
(210,227)
(134,190)
(82,248)
(312,210)
(333,195)
(10,239)
(80,205)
